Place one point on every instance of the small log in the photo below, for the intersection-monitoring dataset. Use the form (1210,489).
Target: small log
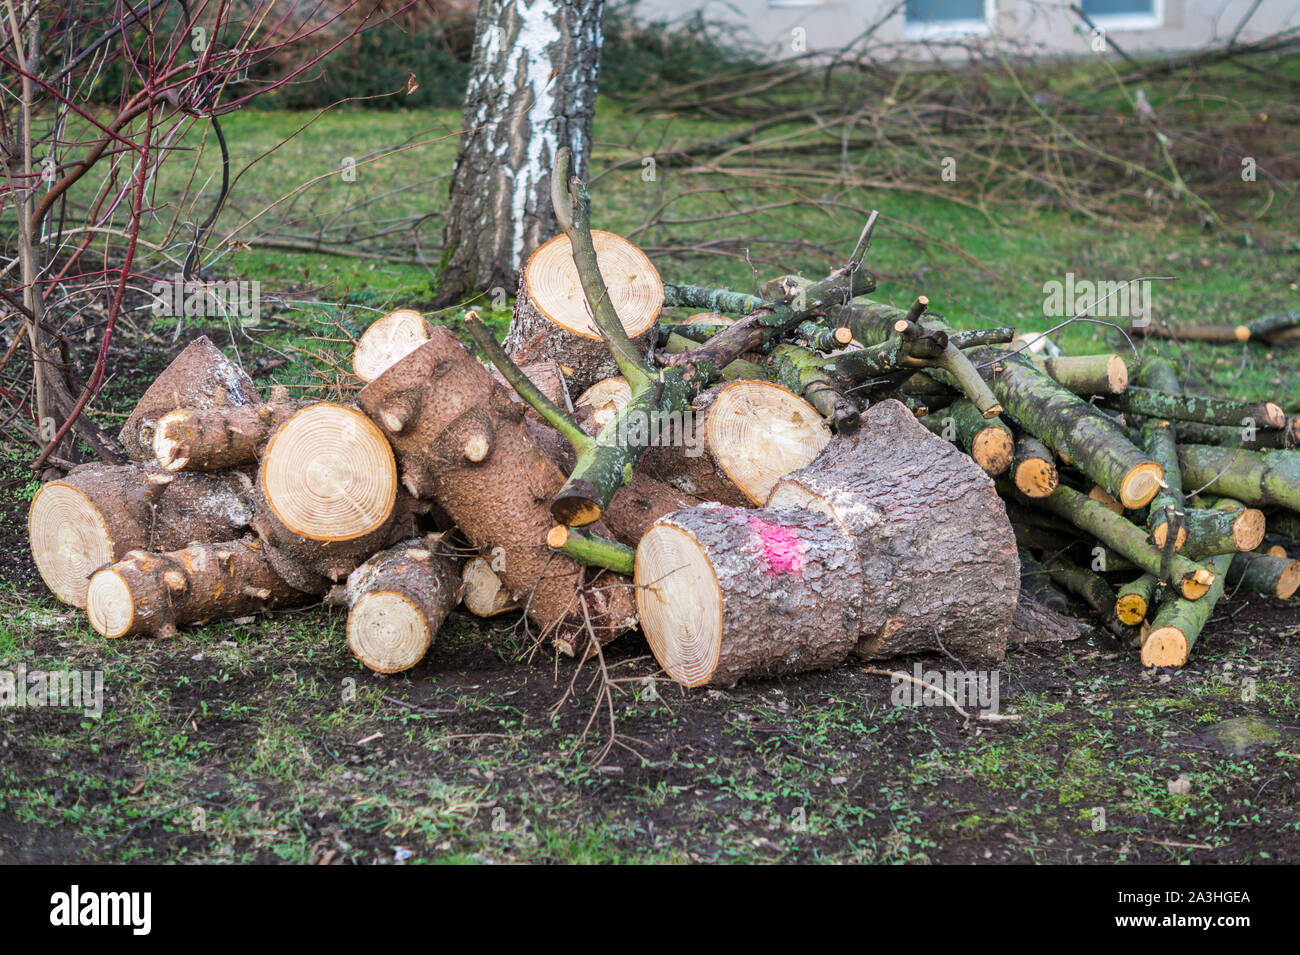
(98,513)
(482,590)
(398,600)
(1225,528)
(928,579)
(1033,468)
(200,377)
(1095,443)
(214,439)
(552,321)
(1092,588)
(987,440)
(727,593)
(1265,574)
(1136,599)
(387,341)
(1182,407)
(462,441)
(1179,621)
(1036,583)
(156,594)
(326,492)
(1086,374)
(1256,479)
(742,437)
(1236,436)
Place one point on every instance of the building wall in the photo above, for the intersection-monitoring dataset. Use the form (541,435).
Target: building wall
(1040,26)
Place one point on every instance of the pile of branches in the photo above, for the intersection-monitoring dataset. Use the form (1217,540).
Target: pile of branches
(773,485)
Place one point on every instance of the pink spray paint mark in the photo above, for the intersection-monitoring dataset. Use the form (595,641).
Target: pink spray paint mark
(782,548)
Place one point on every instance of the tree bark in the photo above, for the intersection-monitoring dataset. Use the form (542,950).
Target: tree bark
(938,556)
(1256,479)
(532,90)
(214,439)
(462,441)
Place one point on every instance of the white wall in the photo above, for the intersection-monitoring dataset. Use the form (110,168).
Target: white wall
(1044,26)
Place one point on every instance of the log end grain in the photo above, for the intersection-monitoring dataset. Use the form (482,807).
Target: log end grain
(111,608)
(388,632)
(1036,477)
(387,341)
(1140,484)
(69,539)
(1165,647)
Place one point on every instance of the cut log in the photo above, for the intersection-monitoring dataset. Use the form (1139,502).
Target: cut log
(1225,528)
(1095,443)
(1136,599)
(200,377)
(1257,479)
(552,321)
(1234,436)
(214,439)
(988,440)
(1182,407)
(463,442)
(156,594)
(1179,621)
(1265,574)
(801,370)
(98,513)
(326,491)
(398,600)
(1033,468)
(742,438)
(482,591)
(387,341)
(954,578)
(605,399)
(1086,374)
(728,593)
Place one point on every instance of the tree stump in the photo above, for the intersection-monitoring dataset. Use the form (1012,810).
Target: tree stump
(742,437)
(727,593)
(200,377)
(398,600)
(552,321)
(387,341)
(325,494)
(156,594)
(463,442)
(938,554)
(99,512)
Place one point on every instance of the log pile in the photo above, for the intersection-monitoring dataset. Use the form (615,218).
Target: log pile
(764,484)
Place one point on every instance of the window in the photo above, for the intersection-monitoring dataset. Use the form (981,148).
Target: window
(1125,14)
(926,18)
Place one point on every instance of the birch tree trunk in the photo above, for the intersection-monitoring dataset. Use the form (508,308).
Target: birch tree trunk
(532,89)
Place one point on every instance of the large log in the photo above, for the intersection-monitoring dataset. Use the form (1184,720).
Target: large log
(398,600)
(464,443)
(156,594)
(326,492)
(742,437)
(99,512)
(552,322)
(729,593)
(200,377)
(938,554)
